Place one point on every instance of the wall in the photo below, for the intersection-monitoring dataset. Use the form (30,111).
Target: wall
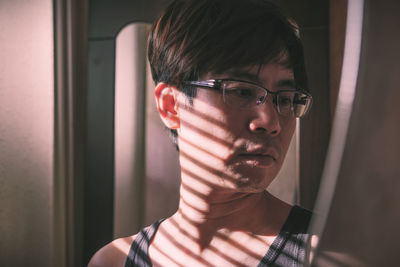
(145,193)
(26,132)
(312,17)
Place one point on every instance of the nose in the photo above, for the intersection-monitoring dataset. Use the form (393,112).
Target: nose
(266,119)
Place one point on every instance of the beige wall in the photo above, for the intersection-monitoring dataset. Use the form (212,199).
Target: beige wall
(161,186)
(26,132)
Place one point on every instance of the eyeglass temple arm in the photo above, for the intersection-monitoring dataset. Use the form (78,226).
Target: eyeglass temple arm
(211,84)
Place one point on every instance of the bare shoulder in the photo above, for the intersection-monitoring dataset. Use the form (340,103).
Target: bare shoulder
(113,254)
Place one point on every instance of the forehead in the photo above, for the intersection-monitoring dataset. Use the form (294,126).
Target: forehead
(267,75)
(272,73)
(260,72)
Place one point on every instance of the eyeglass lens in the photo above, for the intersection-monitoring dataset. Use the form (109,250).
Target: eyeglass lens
(243,95)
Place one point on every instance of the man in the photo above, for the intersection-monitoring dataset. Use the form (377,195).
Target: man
(230,83)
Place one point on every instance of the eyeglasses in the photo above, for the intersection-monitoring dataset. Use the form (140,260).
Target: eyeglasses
(244,94)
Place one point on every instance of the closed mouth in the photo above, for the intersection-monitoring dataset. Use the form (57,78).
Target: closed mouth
(256,155)
(256,159)
(259,153)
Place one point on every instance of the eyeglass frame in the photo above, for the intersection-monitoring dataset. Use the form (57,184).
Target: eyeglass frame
(216,85)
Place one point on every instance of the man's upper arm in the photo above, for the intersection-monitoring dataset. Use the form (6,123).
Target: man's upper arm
(113,254)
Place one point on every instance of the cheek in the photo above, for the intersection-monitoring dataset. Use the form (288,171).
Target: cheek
(288,129)
(203,130)
(289,126)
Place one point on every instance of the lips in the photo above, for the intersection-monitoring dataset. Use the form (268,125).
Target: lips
(271,153)
(250,153)
(258,158)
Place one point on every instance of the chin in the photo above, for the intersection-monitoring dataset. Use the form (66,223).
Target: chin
(252,184)
(248,178)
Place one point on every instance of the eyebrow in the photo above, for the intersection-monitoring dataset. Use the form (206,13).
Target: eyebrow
(286,83)
(245,75)
(241,74)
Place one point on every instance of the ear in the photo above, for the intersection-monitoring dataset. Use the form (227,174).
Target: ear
(166,101)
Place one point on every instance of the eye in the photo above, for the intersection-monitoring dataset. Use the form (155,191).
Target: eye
(285,99)
(241,92)
(300,99)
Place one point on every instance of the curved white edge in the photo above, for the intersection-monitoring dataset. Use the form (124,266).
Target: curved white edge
(348,83)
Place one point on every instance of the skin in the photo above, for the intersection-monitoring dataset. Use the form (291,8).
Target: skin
(228,157)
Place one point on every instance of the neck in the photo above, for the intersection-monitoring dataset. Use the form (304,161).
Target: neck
(208,209)
(220,208)
(203,211)
(203,216)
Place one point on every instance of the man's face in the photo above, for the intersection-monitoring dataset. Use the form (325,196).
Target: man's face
(229,147)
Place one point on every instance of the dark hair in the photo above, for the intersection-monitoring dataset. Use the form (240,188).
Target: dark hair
(194,37)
